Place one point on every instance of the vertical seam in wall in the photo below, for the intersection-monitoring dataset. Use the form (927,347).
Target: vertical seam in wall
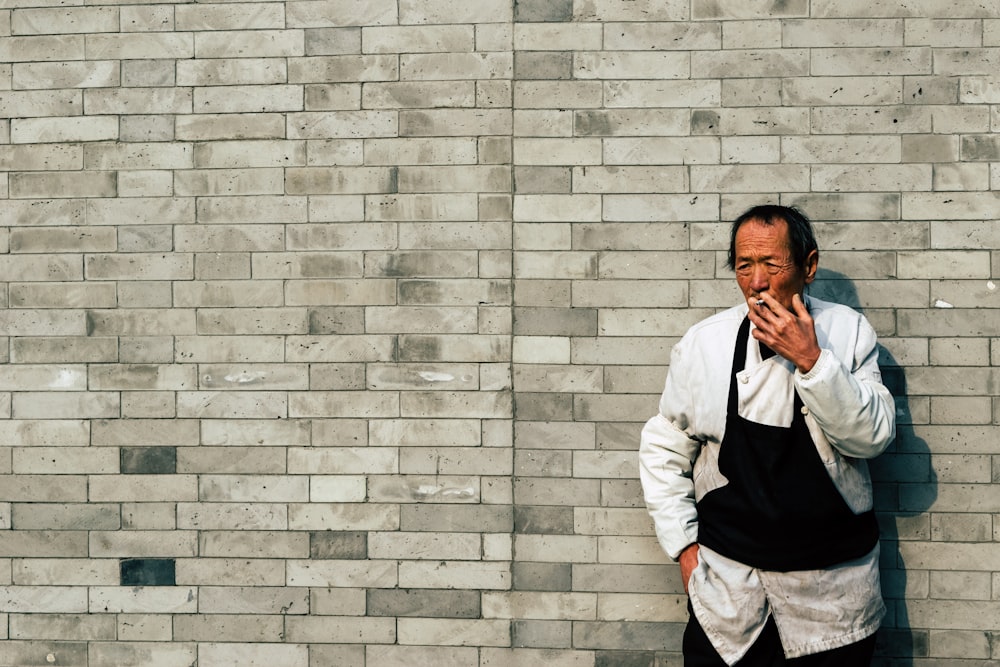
(513,308)
(513,282)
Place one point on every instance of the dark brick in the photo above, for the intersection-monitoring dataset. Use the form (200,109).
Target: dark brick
(624,659)
(705,121)
(904,468)
(594,124)
(338,545)
(894,380)
(457,518)
(645,636)
(543,407)
(555,321)
(148,460)
(334,320)
(550,577)
(423,603)
(898,642)
(148,572)
(419,348)
(543,520)
(669,659)
(529,11)
(626,578)
(981,147)
(326,265)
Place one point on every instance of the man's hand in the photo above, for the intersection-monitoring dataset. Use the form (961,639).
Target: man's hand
(792,334)
(688,561)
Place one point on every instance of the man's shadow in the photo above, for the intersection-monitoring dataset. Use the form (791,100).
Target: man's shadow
(907,461)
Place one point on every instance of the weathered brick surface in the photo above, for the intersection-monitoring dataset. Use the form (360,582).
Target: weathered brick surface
(329,326)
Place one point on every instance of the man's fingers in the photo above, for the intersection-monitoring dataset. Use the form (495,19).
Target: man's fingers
(800,307)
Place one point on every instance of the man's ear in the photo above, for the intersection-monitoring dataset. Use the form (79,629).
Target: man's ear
(812,264)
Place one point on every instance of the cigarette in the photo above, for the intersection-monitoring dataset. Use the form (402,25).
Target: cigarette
(759,302)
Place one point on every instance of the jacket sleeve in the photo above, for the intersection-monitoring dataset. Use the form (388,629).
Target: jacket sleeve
(849,402)
(666,460)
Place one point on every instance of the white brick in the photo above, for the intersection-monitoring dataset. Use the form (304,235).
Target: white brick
(324,13)
(249,43)
(52,130)
(143,599)
(443,11)
(418,39)
(558,36)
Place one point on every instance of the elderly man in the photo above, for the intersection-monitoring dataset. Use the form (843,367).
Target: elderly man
(754,469)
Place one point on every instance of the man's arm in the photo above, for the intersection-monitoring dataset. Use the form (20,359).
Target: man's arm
(689,562)
(845,396)
(666,462)
(847,399)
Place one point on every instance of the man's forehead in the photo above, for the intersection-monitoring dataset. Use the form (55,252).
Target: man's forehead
(757,235)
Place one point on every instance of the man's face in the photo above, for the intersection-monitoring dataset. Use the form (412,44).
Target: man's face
(764,262)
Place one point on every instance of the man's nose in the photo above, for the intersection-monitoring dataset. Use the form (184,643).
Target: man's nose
(759,279)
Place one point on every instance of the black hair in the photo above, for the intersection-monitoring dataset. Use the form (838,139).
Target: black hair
(800,233)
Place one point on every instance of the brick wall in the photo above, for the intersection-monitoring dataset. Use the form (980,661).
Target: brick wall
(329,325)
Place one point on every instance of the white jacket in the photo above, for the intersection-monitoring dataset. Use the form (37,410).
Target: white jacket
(849,412)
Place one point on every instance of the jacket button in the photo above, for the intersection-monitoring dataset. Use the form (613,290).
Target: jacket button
(805,410)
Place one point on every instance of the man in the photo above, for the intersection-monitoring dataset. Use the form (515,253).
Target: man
(754,470)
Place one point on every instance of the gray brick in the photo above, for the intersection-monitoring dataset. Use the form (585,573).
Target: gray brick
(133,654)
(529,576)
(340,629)
(72,653)
(68,627)
(551,65)
(542,634)
(65,516)
(737,10)
(397,656)
(537,180)
(43,543)
(543,520)
(338,545)
(642,636)
(624,658)
(148,460)
(539,10)
(429,517)
(551,321)
(844,32)
(56,295)
(89,184)
(424,603)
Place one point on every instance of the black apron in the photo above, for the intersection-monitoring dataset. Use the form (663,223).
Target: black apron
(780,510)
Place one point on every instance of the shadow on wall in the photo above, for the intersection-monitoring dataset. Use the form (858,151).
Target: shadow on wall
(904,466)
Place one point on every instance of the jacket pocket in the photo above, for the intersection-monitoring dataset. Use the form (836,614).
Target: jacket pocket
(849,475)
